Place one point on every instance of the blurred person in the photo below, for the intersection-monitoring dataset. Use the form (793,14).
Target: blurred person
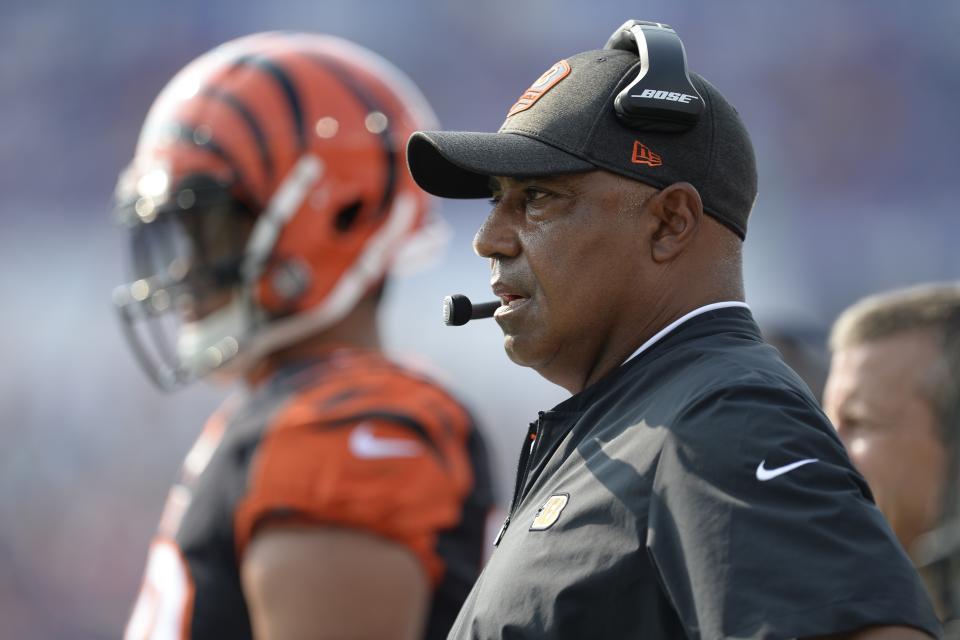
(803,349)
(893,394)
(690,487)
(338,494)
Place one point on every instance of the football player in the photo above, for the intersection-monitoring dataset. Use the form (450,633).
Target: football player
(338,494)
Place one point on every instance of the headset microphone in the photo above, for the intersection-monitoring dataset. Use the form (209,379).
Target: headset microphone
(458,310)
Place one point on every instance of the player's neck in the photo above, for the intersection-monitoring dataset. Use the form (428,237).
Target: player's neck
(357,330)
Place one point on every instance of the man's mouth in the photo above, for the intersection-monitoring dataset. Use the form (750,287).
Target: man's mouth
(510,299)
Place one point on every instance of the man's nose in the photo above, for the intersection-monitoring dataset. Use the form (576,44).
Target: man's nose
(496,238)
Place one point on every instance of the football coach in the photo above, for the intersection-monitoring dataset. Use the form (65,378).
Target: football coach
(690,487)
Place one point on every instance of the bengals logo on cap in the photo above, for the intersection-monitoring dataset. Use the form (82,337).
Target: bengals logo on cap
(540,86)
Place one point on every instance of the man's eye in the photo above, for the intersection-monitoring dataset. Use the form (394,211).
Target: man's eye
(495,199)
(535,194)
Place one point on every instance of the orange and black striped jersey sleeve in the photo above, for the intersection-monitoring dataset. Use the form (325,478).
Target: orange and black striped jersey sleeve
(348,440)
(370,446)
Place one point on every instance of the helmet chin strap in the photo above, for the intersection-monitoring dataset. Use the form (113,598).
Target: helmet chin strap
(283,205)
(367,270)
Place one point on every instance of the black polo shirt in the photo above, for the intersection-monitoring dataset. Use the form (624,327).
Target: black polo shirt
(697,491)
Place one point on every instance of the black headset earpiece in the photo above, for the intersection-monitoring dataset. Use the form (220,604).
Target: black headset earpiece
(661,97)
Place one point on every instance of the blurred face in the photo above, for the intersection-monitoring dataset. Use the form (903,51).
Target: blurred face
(567,262)
(217,240)
(878,397)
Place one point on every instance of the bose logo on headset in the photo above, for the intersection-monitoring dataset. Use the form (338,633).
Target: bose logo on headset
(675,104)
(672,96)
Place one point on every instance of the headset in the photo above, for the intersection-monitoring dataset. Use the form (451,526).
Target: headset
(661,96)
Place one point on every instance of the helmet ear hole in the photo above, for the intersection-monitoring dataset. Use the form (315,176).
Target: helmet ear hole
(347,216)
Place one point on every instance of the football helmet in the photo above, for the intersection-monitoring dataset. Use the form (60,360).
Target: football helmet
(267,195)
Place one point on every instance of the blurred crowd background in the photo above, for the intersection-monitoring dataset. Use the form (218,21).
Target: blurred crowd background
(853,109)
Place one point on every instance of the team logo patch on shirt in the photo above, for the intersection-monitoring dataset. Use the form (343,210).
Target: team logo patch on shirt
(540,86)
(548,514)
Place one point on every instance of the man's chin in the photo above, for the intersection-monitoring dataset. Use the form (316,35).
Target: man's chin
(513,352)
(519,350)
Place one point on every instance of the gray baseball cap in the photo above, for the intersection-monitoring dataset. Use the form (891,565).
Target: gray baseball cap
(566,123)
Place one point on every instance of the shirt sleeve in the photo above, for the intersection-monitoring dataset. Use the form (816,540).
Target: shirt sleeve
(760,527)
(394,464)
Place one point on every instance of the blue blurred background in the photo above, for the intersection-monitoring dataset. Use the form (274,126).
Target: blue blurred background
(853,109)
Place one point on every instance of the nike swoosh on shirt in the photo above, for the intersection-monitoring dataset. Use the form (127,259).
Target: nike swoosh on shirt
(365,444)
(764,474)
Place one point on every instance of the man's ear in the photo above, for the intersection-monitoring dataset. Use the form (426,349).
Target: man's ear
(676,213)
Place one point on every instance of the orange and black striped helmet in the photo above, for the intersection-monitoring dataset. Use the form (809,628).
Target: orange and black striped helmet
(268,193)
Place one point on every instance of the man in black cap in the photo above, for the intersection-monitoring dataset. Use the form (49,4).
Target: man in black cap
(690,487)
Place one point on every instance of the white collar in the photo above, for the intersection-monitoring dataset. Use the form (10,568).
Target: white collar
(676,323)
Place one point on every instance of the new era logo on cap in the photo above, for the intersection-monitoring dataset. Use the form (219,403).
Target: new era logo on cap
(541,85)
(643,155)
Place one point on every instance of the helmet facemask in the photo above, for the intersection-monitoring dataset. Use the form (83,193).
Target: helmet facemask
(186,310)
